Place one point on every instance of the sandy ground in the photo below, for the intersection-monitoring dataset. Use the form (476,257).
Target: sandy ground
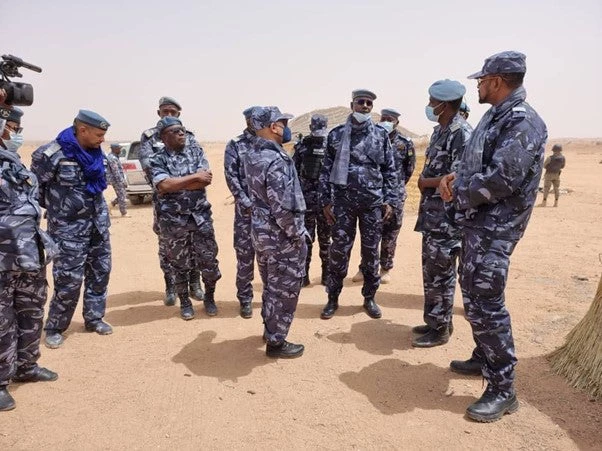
(161,383)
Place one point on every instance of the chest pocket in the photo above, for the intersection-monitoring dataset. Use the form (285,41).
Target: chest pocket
(69,173)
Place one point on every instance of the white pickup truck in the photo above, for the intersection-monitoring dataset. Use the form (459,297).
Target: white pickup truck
(137,187)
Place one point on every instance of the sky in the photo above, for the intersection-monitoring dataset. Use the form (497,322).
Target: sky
(217,58)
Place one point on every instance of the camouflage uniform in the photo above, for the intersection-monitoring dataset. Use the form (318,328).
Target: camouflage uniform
(116,178)
(278,233)
(553,166)
(79,222)
(371,183)
(405,162)
(494,203)
(441,239)
(22,273)
(184,218)
(235,153)
(308,157)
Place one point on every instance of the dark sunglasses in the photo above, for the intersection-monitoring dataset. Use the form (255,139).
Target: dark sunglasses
(14,129)
(366,102)
(176,130)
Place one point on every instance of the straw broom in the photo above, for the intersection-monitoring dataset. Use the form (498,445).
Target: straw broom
(580,358)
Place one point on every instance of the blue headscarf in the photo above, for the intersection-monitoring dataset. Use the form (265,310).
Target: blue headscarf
(91,161)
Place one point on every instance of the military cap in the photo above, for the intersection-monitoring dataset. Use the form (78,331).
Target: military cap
(93,119)
(464,107)
(115,146)
(264,116)
(169,101)
(15,115)
(447,90)
(166,122)
(318,122)
(509,62)
(363,93)
(557,148)
(247,113)
(390,112)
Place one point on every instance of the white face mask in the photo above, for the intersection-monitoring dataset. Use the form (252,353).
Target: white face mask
(388,126)
(361,117)
(15,141)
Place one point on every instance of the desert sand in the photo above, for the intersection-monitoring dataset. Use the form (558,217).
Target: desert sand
(162,383)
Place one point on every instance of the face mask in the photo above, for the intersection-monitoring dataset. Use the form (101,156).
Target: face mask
(15,141)
(430,112)
(361,117)
(388,126)
(287,135)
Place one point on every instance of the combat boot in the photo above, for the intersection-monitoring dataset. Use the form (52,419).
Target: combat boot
(186,309)
(285,350)
(170,292)
(54,339)
(246,309)
(434,337)
(493,405)
(7,402)
(209,301)
(100,327)
(331,306)
(471,367)
(425,328)
(38,374)
(194,285)
(372,308)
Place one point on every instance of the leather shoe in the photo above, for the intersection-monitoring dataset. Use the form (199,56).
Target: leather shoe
(54,339)
(331,306)
(170,298)
(39,374)
(187,312)
(492,406)
(7,402)
(100,327)
(285,350)
(471,367)
(432,338)
(424,328)
(246,310)
(372,308)
(197,292)
(210,307)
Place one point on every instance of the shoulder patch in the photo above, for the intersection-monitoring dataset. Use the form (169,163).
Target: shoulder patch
(52,149)
(150,132)
(455,126)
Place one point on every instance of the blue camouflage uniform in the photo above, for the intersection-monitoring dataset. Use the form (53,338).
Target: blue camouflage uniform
(78,220)
(441,238)
(308,158)
(116,178)
(234,171)
(24,251)
(371,182)
(277,227)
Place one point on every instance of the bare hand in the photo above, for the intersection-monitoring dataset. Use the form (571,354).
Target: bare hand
(421,184)
(387,212)
(205,177)
(329,215)
(445,187)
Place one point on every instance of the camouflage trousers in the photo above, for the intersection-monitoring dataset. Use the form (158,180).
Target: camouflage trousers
(282,272)
(22,299)
(485,263)
(440,253)
(192,247)
(120,199)
(343,236)
(316,223)
(84,259)
(245,255)
(388,242)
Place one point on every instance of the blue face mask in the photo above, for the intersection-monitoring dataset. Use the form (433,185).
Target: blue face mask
(15,142)
(430,112)
(287,135)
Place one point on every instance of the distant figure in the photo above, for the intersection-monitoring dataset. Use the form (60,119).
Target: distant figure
(234,171)
(308,158)
(116,178)
(553,166)
(464,110)
(277,228)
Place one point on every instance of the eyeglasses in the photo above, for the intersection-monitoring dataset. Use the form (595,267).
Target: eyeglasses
(366,102)
(14,129)
(481,80)
(176,130)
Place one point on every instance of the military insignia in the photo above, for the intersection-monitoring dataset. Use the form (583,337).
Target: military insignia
(149,133)
(52,149)
(520,109)
(4,113)
(455,126)
(103,125)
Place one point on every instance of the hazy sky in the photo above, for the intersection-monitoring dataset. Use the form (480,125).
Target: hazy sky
(118,57)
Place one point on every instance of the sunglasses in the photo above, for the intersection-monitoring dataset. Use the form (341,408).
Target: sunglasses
(481,80)
(14,129)
(366,102)
(176,130)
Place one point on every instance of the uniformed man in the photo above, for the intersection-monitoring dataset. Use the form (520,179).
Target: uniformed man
(441,239)
(150,143)
(72,179)
(116,177)
(277,227)
(234,171)
(553,165)
(494,192)
(464,110)
(405,162)
(24,251)
(12,135)
(358,184)
(180,174)
(308,158)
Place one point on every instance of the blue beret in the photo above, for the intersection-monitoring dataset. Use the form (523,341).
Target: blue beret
(93,119)
(447,90)
(363,93)
(318,122)
(115,146)
(390,112)
(264,116)
(166,122)
(169,101)
(464,107)
(509,62)
(15,115)
(247,113)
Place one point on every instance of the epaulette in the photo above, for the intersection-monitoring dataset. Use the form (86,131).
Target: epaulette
(238,138)
(455,126)
(52,149)
(150,132)
(519,111)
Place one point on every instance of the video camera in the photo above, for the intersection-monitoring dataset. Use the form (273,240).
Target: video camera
(20,94)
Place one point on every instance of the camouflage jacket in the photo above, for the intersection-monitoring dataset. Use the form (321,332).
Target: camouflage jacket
(308,159)
(278,205)
(405,161)
(234,169)
(150,144)
(115,174)
(498,200)
(71,209)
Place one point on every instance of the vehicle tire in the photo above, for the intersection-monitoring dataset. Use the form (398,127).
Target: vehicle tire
(136,200)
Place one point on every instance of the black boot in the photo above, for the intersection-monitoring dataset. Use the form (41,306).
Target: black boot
(170,292)
(194,285)
(6,400)
(331,306)
(434,337)
(492,405)
(209,301)
(471,367)
(372,308)
(246,309)
(284,350)
(424,328)
(186,309)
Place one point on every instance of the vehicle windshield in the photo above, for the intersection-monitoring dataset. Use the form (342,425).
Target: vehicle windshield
(134,153)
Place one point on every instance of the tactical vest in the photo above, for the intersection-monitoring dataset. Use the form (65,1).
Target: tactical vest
(311,165)
(555,164)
